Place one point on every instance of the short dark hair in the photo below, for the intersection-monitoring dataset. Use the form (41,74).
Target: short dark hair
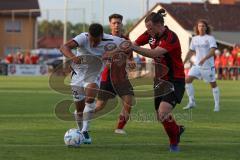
(95,30)
(115,15)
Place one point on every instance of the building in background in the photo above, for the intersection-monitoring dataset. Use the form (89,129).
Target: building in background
(50,42)
(181,18)
(18,25)
(231,2)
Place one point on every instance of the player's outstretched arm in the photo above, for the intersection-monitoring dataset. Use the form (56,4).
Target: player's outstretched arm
(66,50)
(112,49)
(151,53)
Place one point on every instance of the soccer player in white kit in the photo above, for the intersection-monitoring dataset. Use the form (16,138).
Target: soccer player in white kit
(86,67)
(203,45)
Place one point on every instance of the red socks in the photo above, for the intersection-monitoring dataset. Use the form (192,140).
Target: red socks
(121,122)
(172,130)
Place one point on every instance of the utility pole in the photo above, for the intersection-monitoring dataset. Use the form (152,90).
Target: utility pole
(147,5)
(84,20)
(65,22)
(65,29)
(102,10)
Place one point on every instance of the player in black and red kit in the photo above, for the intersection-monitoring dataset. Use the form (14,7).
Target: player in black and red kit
(114,78)
(169,87)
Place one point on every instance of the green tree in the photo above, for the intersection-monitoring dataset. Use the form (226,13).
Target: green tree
(55,28)
(129,24)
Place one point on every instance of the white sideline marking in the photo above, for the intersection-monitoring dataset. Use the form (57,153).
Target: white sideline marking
(27,91)
(115,145)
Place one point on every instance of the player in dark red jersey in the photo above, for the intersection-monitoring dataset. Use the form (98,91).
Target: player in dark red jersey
(169,88)
(114,78)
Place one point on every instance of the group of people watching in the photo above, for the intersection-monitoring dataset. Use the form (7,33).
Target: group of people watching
(20,58)
(227,63)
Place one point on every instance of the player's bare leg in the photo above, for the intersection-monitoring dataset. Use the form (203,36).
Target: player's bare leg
(127,103)
(79,112)
(190,92)
(216,96)
(100,104)
(173,130)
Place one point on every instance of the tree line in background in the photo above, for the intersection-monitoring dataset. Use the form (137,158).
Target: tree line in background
(55,28)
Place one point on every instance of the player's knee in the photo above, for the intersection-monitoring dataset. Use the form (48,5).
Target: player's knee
(89,100)
(128,101)
(213,84)
(100,105)
(127,105)
(161,117)
(164,111)
(188,80)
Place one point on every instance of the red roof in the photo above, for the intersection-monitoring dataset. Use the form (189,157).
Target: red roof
(221,17)
(50,42)
(19,5)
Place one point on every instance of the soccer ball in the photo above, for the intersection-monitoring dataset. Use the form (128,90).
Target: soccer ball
(73,138)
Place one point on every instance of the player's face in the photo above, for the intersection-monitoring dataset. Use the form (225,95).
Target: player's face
(94,41)
(158,29)
(115,25)
(201,28)
(149,26)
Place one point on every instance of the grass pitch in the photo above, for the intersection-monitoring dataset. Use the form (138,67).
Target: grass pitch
(30,130)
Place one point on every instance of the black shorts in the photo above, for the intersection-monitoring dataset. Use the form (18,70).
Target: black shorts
(172,97)
(108,91)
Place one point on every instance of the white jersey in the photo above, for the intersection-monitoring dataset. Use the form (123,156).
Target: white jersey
(201,45)
(91,63)
(84,45)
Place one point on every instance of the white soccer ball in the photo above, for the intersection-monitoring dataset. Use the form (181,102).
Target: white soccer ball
(73,137)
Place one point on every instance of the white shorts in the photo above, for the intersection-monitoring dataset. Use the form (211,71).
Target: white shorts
(83,75)
(205,73)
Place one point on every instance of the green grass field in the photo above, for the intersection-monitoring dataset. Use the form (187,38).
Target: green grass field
(30,130)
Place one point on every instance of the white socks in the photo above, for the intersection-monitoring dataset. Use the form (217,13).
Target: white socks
(216,95)
(87,115)
(190,92)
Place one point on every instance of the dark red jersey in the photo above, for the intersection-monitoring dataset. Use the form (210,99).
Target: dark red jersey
(172,59)
(146,38)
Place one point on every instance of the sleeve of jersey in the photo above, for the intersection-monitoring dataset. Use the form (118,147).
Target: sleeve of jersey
(142,39)
(80,39)
(212,42)
(192,47)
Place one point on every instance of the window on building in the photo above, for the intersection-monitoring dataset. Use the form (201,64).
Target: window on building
(13,26)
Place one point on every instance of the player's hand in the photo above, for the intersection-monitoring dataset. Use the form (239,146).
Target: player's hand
(132,64)
(107,55)
(134,46)
(126,46)
(76,60)
(201,62)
